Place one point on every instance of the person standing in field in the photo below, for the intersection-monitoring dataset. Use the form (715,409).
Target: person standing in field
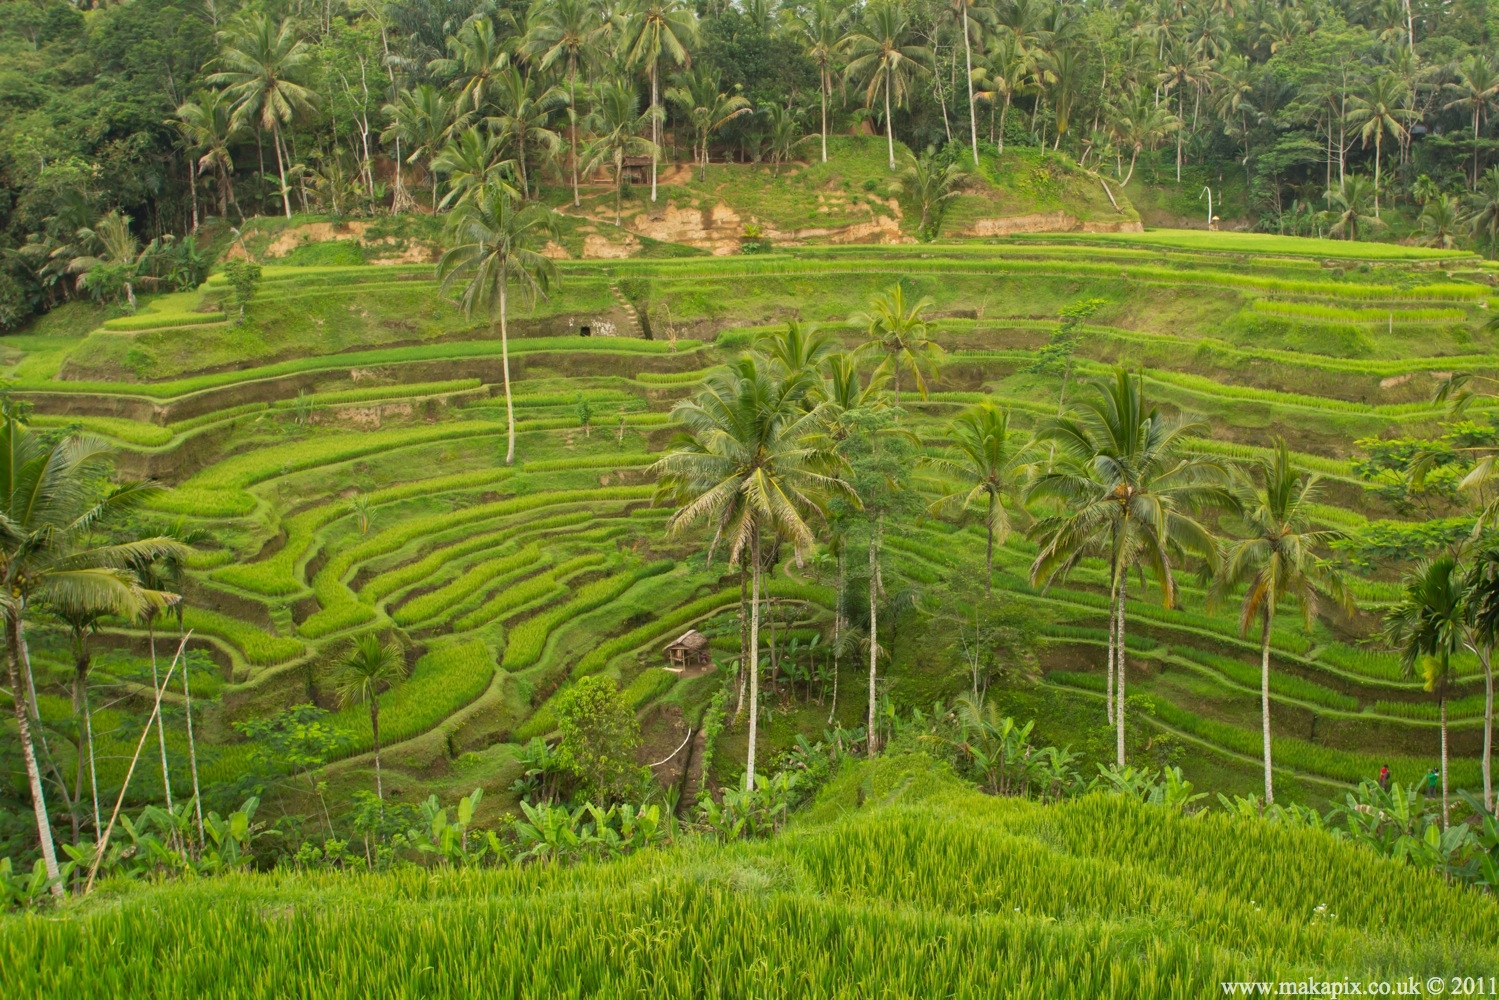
(1384,779)
(1431,783)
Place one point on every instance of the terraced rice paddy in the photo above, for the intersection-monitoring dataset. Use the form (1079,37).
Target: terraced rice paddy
(345,447)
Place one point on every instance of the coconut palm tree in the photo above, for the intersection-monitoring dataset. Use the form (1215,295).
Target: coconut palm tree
(899,333)
(473,161)
(1381,110)
(973,121)
(653,35)
(1426,627)
(706,106)
(476,57)
(783,132)
(751,469)
(933,184)
(984,464)
(1141,126)
(522,117)
(1477,88)
(1440,221)
(367,668)
(879,56)
(616,123)
(799,346)
(209,129)
(564,33)
(111,265)
(1350,212)
(820,31)
(423,120)
(1130,495)
(1484,219)
(50,507)
(1275,557)
(261,65)
(495,243)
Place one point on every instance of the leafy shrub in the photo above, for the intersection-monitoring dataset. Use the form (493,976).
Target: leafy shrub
(332,253)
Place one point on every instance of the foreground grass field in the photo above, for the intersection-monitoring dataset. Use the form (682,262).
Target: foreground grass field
(899,881)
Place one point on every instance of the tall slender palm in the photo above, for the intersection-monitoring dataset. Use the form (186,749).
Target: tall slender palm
(1483,632)
(799,346)
(1140,126)
(899,333)
(1426,626)
(973,121)
(1381,109)
(656,34)
(368,668)
(261,66)
(1131,494)
(494,243)
(1477,88)
(476,56)
(616,123)
(523,113)
(879,56)
(208,127)
(985,464)
(422,120)
(700,96)
(820,31)
(751,469)
(563,32)
(1274,558)
(932,183)
(1440,222)
(50,507)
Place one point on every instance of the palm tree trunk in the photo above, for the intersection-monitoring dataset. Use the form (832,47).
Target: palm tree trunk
(824,117)
(1113,641)
(28,750)
(838,627)
(1119,700)
(973,121)
(1265,701)
(1442,704)
(874,630)
(1003,114)
(281,169)
(192,750)
(161,736)
(744,624)
(1378,137)
(655,132)
(375,731)
(889,125)
(572,124)
(754,662)
(505,365)
(93,773)
(1485,657)
(989,549)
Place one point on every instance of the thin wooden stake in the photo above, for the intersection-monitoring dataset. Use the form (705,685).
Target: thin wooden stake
(93,871)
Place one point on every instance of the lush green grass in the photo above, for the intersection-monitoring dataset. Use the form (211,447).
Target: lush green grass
(898,881)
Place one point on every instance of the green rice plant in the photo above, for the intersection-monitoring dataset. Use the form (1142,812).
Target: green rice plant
(402,391)
(443,681)
(145,321)
(602,460)
(131,432)
(240,471)
(197,502)
(1429,711)
(259,646)
(414,572)
(672,378)
(1069,906)
(524,645)
(335,618)
(1316,311)
(651,684)
(543,586)
(433,604)
(1311,758)
(1282,684)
